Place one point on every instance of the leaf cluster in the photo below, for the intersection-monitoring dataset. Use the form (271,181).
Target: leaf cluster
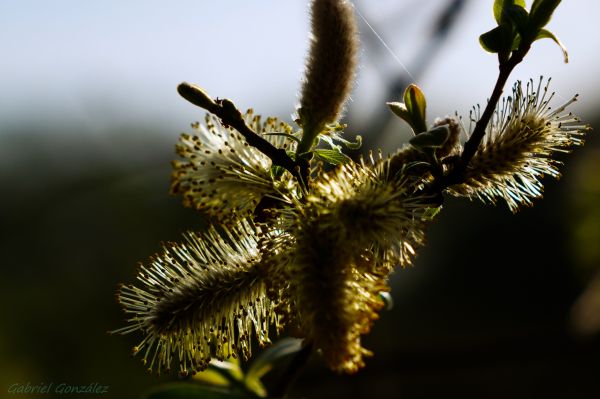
(518,28)
(227,379)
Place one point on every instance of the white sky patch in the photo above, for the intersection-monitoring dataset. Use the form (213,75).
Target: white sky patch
(114,60)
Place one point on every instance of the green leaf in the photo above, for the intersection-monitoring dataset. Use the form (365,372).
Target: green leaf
(400,110)
(412,111)
(513,22)
(256,386)
(221,374)
(277,172)
(519,16)
(307,156)
(187,390)
(352,145)
(330,140)
(497,40)
(228,374)
(541,12)
(273,357)
(229,368)
(212,377)
(501,5)
(516,42)
(415,102)
(277,353)
(433,138)
(546,34)
(333,157)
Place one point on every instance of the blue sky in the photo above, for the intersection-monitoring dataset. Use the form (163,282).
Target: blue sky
(114,61)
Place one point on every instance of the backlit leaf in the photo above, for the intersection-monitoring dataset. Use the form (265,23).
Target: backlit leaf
(546,34)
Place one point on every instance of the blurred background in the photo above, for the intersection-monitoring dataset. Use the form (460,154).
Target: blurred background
(497,305)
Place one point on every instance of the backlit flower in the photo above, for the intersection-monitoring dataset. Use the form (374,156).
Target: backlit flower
(330,65)
(372,210)
(222,175)
(342,242)
(519,146)
(203,299)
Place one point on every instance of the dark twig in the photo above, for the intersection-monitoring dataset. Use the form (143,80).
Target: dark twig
(229,115)
(456,175)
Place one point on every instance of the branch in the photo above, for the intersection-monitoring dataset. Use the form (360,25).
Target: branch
(229,115)
(456,175)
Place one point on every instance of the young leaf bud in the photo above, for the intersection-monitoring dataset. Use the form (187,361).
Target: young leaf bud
(197,96)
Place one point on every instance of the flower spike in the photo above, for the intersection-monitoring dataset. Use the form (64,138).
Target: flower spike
(222,175)
(203,299)
(518,148)
(330,67)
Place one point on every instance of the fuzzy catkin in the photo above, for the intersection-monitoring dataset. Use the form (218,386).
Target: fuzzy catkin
(518,148)
(224,177)
(345,239)
(335,302)
(372,211)
(203,299)
(331,63)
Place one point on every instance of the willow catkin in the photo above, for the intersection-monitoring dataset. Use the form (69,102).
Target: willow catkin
(371,210)
(335,303)
(203,299)
(349,233)
(330,66)
(224,177)
(518,148)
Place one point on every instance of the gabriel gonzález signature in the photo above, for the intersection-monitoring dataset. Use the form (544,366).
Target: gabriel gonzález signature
(57,388)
